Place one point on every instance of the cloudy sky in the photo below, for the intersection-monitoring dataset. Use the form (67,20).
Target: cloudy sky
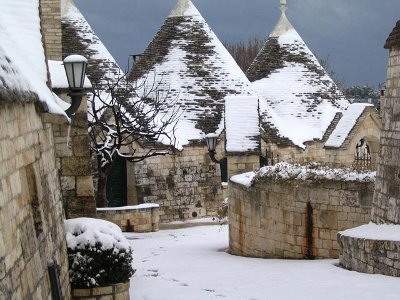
(351,32)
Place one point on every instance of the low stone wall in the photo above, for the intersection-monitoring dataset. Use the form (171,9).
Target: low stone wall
(371,248)
(369,256)
(139,218)
(115,291)
(295,218)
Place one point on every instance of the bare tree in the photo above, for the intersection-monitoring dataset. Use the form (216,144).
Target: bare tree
(122,122)
(245,53)
(325,62)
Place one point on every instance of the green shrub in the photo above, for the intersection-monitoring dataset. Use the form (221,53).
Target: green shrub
(98,253)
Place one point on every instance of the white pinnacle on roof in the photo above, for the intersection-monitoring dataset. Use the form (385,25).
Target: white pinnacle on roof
(184,8)
(283,24)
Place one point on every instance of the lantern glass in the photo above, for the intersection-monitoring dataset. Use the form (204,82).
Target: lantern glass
(75,68)
(211,140)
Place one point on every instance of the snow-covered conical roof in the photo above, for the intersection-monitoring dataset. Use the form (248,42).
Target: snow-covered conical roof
(292,83)
(23,71)
(187,60)
(79,37)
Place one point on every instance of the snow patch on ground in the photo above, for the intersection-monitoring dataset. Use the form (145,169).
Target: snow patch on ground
(193,264)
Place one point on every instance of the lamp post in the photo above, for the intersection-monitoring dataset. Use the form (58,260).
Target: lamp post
(211,140)
(75,68)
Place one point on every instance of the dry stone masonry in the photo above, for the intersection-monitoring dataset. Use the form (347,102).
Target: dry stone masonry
(293,217)
(31,211)
(374,255)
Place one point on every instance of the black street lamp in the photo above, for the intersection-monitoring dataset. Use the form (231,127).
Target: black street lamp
(211,140)
(75,68)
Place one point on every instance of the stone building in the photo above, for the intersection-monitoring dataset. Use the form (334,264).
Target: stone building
(31,206)
(360,249)
(195,73)
(36,160)
(304,115)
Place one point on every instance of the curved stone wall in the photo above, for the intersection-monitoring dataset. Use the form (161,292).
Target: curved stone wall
(369,256)
(295,218)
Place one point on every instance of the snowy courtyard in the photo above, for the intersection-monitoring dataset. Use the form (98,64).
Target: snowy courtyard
(193,263)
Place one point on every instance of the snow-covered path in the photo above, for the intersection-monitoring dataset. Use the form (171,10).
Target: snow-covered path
(191,263)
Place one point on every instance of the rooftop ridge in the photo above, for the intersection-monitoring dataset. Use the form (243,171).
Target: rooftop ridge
(184,8)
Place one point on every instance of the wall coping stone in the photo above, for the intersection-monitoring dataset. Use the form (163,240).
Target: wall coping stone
(140,207)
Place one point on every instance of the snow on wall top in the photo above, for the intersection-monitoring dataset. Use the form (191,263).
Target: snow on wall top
(372,231)
(293,84)
(79,38)
(314,172)
(346,124)
(193,70)
(242,124)
(25,68)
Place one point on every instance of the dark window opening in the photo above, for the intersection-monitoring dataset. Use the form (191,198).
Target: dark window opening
(34,200)
(224,170)
(116,188)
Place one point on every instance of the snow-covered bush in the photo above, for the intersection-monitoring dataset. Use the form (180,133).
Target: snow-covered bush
(98,253)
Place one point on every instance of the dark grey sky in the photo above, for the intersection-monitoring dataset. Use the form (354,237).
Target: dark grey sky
(351,32)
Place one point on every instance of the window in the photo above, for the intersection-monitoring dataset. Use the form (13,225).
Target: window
(363,155)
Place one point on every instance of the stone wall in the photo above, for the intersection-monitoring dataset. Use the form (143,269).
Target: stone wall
(73,157)
(386,205)
(370,256)
(139,218)
(294,218)
(51,28)
(31,210)
(116,291)
(238,164)
(185,185)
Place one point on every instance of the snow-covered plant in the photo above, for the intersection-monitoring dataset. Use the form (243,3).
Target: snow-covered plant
(98,253)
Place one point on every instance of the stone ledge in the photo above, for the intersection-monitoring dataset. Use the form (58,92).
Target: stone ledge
(113,291)
(372,256)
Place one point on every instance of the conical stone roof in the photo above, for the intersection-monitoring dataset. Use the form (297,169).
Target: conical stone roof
(291,82)
(189,65)
(79,37)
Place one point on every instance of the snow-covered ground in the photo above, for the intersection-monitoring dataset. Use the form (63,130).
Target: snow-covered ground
(192,263)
